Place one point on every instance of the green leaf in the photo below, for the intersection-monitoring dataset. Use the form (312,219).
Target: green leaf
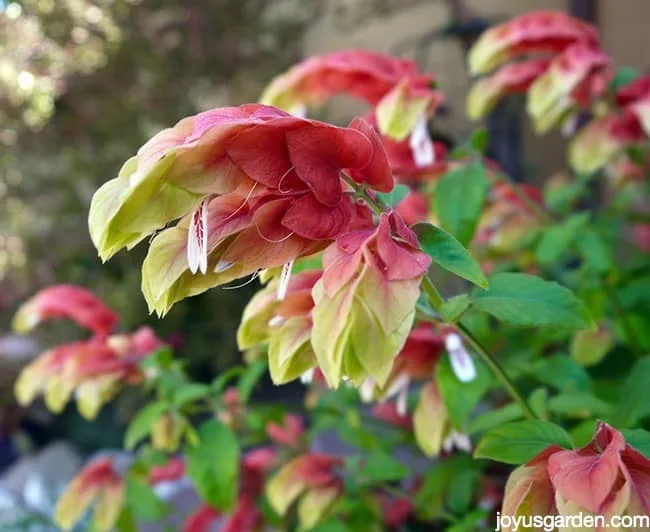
(190,392)
(250,378)
(518,442)
(141,425)
(143,501)
(469,522)
(452,309)
(597,255)
(449,253)
(395,196)
(557,239)
(538,402)
(381,467)
(221,381)
(126,521)
(639,439)
(634,403)
(562,373)
(160,360)
(624,76)
(479,140)
(461,397)
(528,301)
(213,465)
(579,405)
(494,418)
(461,490)
(458,200)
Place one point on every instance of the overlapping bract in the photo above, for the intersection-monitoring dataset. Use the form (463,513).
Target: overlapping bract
(604,140)
(310,479)
(97,484)
(415,364)
(402,100)
(284,325)
(92,370)
(352,318)
(567,74)
(605,477)
(394,86)
(570,73)
(365,301)
(254,187)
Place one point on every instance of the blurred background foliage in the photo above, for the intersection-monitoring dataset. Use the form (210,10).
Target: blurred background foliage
(82,85)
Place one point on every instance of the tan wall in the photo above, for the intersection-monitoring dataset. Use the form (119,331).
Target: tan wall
(353,23)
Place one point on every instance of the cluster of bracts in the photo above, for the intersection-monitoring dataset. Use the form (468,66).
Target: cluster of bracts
(260,190)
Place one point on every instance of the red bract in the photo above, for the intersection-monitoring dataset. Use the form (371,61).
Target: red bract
(421,352)
(313,480)
(574,77)
(600,141)
(289,433)
(515,78)
(169,472)
(388,412)
(371,280)
(262,188)
(366,75)
(66,301)
(605,477)
(391,250)
(541,31)
(396,511)
(639,89)
(94,370)
(413,208)
(97,483)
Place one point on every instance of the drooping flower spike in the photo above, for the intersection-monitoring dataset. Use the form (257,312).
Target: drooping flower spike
(567,83)
(514,78)
(93,371)
(256,187)
(311,479)
(603,139)
(66,301)
(536,32)
(284,325)
(394,86)
(98,484)
(416,158)
(606,477)
(365,301)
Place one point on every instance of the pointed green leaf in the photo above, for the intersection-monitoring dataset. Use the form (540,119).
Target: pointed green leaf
(530,301)
(461,397)
(452,309)
(518,442)
(141,425)
(458,200)
(213,465)
(449,253)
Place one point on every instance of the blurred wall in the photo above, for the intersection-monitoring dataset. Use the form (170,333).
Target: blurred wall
(389,25)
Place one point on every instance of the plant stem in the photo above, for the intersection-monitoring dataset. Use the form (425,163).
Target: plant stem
(622,316)
(378,206)
(547,219)
(436,300)
(544,216)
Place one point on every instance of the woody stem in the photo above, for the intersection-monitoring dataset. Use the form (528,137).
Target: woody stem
(436,300)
